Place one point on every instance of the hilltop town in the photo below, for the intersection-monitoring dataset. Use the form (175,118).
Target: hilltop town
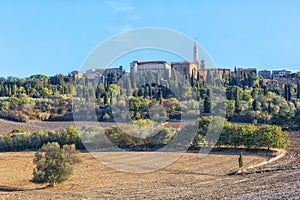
(252,111)
(197,69)
(249,96)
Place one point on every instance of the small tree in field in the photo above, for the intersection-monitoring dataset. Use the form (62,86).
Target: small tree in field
(70,153)
(241,161)
(54,164)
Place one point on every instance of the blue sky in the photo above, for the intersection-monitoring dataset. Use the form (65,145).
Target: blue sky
(52,37)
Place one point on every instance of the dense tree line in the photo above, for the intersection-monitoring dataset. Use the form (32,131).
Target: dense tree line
(20,140)
(248,100)
(37,86)
(243,135)
(125,137)
(232,135)
(38,97)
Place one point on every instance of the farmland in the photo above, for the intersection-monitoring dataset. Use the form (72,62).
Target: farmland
(190,177)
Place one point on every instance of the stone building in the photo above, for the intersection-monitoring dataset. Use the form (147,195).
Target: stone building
(99,75)
(186,68)
(144,68)
(264,73)
(76,74)
(247,71)
(270,83)
(277,74)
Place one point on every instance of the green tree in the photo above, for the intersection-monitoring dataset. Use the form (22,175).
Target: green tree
(237,104)
(271,137)
(128,87)
(282,119)
(298,90)
(132,80)
(287,92)
(248,135)
(247,96)
(45,93)
(241,160)
(138,105)
(105,98)
(297,119)
(207,104)
(53,164)
(255,105)
(230,107)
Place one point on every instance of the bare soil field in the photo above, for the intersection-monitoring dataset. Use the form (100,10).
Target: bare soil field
(8,126)
(190,177)
(93,180)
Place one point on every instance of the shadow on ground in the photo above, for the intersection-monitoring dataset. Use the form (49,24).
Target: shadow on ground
(15,189)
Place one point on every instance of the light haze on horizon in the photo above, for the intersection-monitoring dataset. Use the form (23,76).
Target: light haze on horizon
(51,37)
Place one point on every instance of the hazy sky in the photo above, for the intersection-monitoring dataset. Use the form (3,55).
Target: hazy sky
(56,36)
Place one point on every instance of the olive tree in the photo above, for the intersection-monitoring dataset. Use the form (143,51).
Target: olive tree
(53,163)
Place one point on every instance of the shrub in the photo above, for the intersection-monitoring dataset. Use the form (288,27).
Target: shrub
(54,164)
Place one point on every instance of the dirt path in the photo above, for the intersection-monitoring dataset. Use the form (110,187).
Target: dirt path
(279,179)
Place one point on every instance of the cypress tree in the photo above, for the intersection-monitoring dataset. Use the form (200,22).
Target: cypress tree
(298,90)
(269,108)
(265,91)
(158,77)
(255,105)
(111,99)
(287,92)
(128,87)
(160,97)
(150,91)
(145,91)
(192,79)
(207,105)
(241,161)
(132,79)
(105,98)
(115,78)
(237,102)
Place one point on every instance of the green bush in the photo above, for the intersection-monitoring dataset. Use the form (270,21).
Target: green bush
(53,163)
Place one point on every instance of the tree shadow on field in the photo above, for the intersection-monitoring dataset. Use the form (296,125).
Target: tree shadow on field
(16,189)
(10,189)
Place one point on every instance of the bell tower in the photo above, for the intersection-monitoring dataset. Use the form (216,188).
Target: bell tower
(195,52)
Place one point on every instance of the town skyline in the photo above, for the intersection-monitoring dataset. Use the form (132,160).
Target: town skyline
(127,69)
